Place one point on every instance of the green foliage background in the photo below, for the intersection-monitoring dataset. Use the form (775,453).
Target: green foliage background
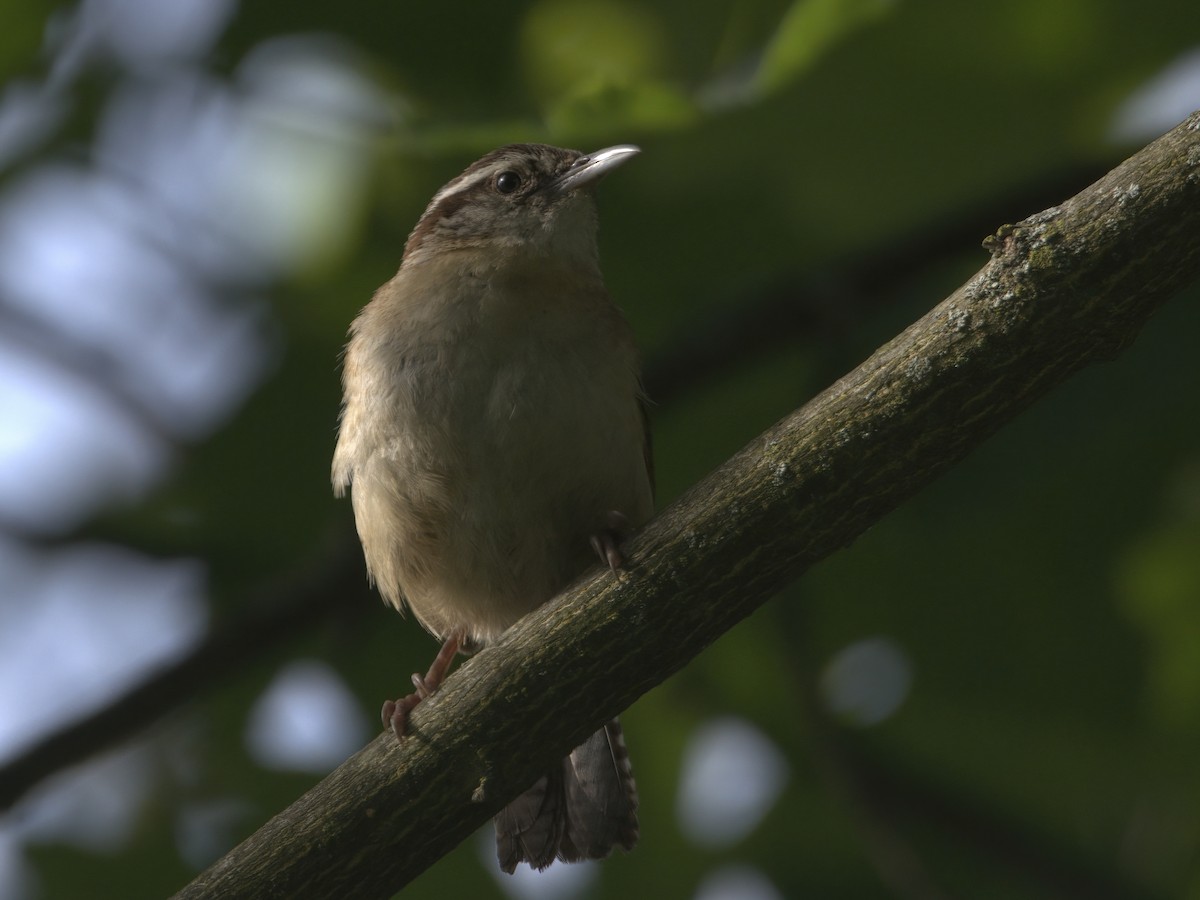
(1046,594)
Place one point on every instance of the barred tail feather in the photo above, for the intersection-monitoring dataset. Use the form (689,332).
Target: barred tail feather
(582,810)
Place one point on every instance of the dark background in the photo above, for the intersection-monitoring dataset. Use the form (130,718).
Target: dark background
(994,693)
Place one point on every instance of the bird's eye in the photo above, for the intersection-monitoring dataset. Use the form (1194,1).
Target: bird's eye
(507,182)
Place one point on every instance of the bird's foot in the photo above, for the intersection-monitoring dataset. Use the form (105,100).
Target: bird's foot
(607,541)
(395,713)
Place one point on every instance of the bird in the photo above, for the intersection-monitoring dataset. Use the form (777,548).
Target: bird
(494,439)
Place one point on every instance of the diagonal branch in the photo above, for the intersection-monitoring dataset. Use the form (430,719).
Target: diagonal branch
(1065,288)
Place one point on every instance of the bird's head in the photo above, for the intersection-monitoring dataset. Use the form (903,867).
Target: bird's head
(527,200)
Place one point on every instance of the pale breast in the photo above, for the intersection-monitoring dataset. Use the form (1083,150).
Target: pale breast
(499,441)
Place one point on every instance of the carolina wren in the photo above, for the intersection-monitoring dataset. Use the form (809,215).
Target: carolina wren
(494,437)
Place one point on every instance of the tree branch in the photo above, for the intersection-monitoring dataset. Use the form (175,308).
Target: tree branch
(1065,288)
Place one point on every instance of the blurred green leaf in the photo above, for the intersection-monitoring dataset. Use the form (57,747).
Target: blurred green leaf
(22,35)
(602,108)
(809,30)
(567,45)
(1158,583)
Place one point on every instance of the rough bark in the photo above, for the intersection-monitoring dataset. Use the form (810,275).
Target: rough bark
(1065,288)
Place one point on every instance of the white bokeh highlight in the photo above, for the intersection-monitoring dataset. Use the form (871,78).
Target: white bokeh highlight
(18,881)
(143,34)
(135,276)
(70,649)
(77,270)
(1161,103)
(731,775)
(95,807)
(205,831)
(66,446)
(559,882)
(307,720)
(867,682)
(737,883)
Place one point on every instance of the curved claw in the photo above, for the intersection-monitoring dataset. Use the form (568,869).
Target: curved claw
(395,713)
(607,541)
(608,549)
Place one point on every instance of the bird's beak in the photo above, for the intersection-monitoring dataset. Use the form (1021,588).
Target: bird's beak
(590,168)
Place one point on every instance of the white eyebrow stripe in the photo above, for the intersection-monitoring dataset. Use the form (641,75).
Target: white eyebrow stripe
(470,179)
(452,188)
